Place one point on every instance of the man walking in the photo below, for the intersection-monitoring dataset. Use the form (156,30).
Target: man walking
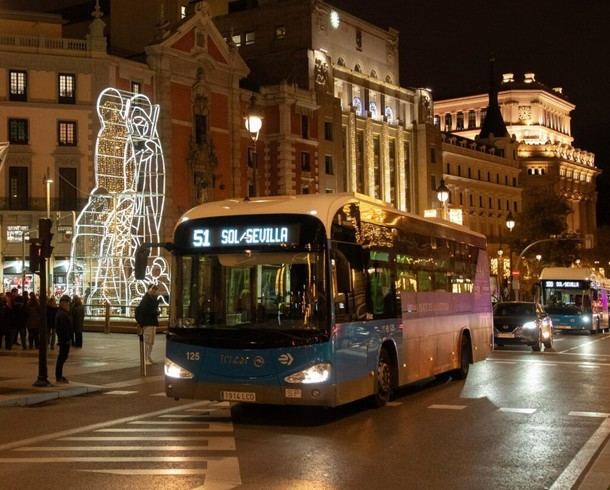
(64,330)
(147,314)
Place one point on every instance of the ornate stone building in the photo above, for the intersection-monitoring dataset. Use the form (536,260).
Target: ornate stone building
(538,118)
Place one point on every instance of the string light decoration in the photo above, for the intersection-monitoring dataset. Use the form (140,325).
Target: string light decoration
(125,207)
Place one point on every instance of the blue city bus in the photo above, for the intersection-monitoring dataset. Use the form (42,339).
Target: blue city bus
(575,298)
(321,300)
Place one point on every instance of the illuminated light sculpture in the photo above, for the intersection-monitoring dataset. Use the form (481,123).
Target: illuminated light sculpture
(125,207)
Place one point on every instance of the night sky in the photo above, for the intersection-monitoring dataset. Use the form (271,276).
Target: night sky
(446,46)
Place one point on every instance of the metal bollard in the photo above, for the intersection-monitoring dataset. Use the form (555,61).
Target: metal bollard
(107,319)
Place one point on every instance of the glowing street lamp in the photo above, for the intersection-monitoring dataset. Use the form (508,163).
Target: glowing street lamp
(442,194)
(48,181)
(253,121)
(510,221)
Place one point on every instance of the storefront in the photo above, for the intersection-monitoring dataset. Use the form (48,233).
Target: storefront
(15,274)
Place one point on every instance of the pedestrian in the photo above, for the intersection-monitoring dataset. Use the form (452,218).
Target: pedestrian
(64,330)
(4,323)
(51,313)
(147,316)
(32,322)
(78,319)
(18,319)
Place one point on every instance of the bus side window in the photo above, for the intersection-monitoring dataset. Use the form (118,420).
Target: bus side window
(350,283)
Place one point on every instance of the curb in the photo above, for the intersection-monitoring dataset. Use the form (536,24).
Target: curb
(34,399)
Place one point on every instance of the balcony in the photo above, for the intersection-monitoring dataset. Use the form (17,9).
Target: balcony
(75,47)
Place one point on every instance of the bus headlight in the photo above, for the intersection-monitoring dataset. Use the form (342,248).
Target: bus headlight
(529,325)
(586,319)
(315,374)
(173,370)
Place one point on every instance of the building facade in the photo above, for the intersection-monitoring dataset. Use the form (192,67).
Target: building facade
(538,118)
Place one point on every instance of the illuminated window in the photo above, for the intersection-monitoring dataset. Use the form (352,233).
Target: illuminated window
(236,38)
(472,120)
(18,133)
(66,133)
(250,38)
(448,122)
(182,11)
(459,121)
(67,88)
(437,121)
(389,114)
(373,110)
(357,105)
(482,116)
(136,87)
(18,85)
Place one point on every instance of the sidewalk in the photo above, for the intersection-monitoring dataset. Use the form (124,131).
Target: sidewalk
(105,361)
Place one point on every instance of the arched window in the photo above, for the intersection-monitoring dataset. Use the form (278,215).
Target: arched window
(472,119)
(459,122)
(448,122)
(357,68)
(374,74)
(373,110)
(357,105)
(341,62)
(388,79)
(389,114)
(437,121)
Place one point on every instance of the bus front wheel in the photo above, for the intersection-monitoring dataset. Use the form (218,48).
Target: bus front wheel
(384,380)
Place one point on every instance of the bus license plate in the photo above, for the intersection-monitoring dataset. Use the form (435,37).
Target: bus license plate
(238,396)
(505,335)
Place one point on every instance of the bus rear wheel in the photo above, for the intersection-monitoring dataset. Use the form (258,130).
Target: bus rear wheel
(465,359)
(384,384)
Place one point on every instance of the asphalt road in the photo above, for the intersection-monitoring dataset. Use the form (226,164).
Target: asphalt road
(520,420)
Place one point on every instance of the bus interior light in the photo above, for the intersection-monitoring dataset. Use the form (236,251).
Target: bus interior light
(318,373)
(173,370)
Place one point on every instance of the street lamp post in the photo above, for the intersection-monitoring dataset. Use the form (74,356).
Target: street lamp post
(442,194)
(48,181)
(253,121)
(510,224)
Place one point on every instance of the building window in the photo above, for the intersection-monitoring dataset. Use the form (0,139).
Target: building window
(469,172)
(328,165)
(305,189)
(437,121)
(18,85)
(449,168)
(250,38)
(479,174)
(432,155)
(18,131)
(480,201)
(328,190)
(304,126)
(136,87)
(358,39)
(68,194)
(328,131)
(66,133)
(459,171)
(66,88)
(472,120)
(182,11)
(201,129)
(482,117)
(448,122)
(360,161)
(471,200)
(514,181)
(236,38)
(459,121)
(491,204)
(305,162)
(280,32)
(18,187)
(376,167)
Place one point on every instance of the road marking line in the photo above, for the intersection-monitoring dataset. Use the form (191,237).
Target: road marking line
(502,362)
(589,414)
(135,381)
(393,404)
(92,427)
(211,426)
(159,394)
(119,392)
(112,448)
(108,459)
(588,366)
(448,407)
(605,364)
(159,472)
(582,345)
(216,443)
(201,417)
(135,438)
(570,475)
(545,364)
(517,410)
(169,429)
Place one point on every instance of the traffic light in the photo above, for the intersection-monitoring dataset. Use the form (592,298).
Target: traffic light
(35,251)
(45,236)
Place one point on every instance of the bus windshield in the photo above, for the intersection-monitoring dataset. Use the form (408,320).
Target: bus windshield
(567,301)
(251,289)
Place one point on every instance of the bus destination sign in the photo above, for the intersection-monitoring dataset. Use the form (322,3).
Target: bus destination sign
(564,284)
(244,236)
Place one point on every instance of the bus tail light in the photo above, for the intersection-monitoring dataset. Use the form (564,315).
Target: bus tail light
(173,370)
(318,373)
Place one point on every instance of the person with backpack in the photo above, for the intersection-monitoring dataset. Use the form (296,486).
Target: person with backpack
(147,316)
(65,331)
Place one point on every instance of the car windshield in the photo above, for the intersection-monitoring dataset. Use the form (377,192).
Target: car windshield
(515,309)
(251,290)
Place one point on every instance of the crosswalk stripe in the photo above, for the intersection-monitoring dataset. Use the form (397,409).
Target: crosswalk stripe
(107,459)
(448,407)
(589,414)
(137,438)
(119,392)
(153,472)
(517,410)
(168,429)
(159,394)
(212,426)
(112,448)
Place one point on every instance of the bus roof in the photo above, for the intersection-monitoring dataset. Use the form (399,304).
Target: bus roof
(569,273)
(323,206)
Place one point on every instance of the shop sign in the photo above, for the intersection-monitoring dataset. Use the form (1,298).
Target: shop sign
(17,233)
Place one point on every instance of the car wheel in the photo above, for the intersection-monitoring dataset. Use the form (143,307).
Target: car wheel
(384,380)
(537,346)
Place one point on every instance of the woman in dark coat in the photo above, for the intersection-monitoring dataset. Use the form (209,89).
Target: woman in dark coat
(78,320)
(51,312)
(32,322)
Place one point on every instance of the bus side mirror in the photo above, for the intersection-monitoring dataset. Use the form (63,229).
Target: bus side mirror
(141,260)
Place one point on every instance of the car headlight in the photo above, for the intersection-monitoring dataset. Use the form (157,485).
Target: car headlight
(315,374)
(530,325)
(173,370)
(586,319)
